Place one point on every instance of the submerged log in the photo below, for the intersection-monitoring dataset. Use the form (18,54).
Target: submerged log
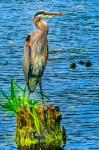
(40,127)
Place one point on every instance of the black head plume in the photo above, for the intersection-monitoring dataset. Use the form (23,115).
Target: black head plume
(42,12)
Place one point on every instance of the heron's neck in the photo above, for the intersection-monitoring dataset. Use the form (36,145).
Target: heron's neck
(42,25)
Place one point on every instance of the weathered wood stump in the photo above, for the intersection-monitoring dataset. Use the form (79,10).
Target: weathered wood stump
(40,127)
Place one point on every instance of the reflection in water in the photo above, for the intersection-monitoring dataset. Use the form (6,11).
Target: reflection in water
(39,147)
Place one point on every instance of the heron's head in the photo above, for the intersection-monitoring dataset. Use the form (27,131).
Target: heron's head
(45,14)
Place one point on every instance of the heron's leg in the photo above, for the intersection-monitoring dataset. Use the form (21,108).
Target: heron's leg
(41,91)
(29,93)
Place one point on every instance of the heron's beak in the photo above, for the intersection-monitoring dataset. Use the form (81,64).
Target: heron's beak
(54,14)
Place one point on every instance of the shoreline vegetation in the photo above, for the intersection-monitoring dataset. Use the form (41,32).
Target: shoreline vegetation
(38,126)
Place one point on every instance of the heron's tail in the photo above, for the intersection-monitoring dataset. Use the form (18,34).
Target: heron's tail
(32,83)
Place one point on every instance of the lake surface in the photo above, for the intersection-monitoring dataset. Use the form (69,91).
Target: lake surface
(72,38)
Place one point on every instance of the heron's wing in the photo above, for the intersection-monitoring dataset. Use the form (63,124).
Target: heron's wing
(39,56)
(30,77)
(35,58)
(26,57)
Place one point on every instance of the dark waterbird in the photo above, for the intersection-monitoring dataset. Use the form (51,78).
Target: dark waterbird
(87,63)
(73,65)
(81,62)
(36,51)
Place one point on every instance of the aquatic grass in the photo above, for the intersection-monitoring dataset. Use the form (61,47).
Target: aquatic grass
(17,99)
(18,102)
(36,121)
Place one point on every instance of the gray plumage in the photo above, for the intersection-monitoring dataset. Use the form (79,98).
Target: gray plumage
(35,58)
(36,51)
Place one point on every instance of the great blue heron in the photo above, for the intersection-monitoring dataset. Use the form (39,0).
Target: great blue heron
(36,51)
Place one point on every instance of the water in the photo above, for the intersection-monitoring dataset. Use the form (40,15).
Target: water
(72,37)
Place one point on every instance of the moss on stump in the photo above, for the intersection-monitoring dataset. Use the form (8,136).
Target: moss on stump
(40,127)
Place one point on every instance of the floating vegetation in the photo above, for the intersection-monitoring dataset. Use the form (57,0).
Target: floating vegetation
(72,107)
(37,125)
(10,42)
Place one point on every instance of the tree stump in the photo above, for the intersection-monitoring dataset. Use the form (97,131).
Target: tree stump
(40,127)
